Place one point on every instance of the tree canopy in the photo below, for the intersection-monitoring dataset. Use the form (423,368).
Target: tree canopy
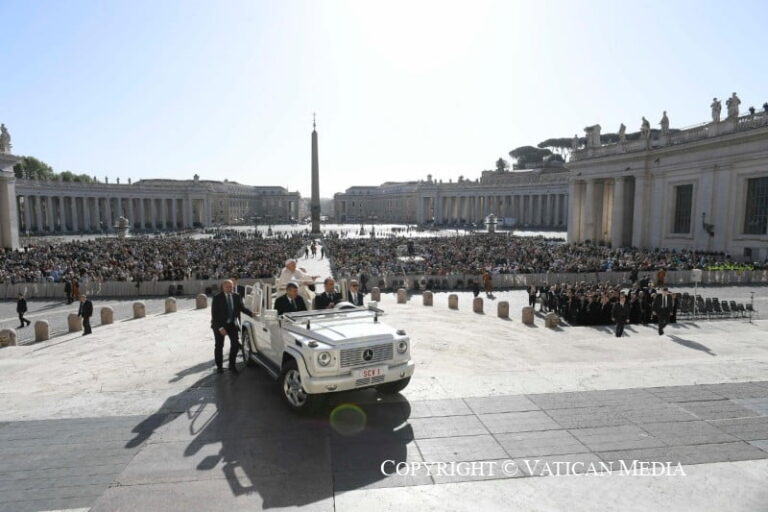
(525,155)
(502,165)
(30,168)
(33,169)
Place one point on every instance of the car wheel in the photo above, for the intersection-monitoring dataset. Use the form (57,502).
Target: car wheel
(247,348)
(392,388)
(293,390)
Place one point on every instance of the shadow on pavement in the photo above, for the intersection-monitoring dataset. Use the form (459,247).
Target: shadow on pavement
(235,428)
(691,344)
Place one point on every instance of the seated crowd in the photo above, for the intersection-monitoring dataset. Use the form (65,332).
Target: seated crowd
(148,259)
(503,254)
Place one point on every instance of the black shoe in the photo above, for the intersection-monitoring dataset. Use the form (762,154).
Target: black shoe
(233,369)
(219,370)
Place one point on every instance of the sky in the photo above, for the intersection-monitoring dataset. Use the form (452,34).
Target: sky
(402,89)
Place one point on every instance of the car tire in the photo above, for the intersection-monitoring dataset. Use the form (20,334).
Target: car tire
(393,388)
(247,348)
(293,393)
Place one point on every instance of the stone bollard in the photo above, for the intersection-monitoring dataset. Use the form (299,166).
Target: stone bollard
(528,315)
(170,305)
(427,298)
(201,302)
(107,315)
(75,323)
(376,294)
(402,296)
(8,338)
(453,301)
(41,330)
(503,309)
(551,320)
(139,310)
(477,305)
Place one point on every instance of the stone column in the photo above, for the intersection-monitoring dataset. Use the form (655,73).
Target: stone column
(153,212)
(72,212)
(556,220)
(27,213)
(640,212)
(47,216)
(9,220)
(87,223)
(108,214)
(574,212)
(588,212)
(142,213)
(174,208)
(131,216)
(617,215)
(38,214)
(161,212)
(530,210)
(186,212)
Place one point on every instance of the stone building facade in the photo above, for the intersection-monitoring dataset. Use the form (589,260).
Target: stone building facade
(526,198)
(704,187)
(69,207)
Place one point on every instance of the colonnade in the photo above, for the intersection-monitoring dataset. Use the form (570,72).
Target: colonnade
(50,213)
(608,210)
(533,210)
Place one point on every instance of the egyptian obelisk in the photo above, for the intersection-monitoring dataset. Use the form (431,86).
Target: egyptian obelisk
(315,202)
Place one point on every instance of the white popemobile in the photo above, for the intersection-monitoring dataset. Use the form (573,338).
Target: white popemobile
(313,353)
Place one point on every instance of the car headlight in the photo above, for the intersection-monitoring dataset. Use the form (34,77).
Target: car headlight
(324,358)
(402,347)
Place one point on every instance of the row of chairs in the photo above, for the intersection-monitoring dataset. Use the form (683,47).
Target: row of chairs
(712,307)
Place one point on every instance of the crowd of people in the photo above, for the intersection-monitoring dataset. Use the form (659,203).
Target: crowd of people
(503,254)
(139,259)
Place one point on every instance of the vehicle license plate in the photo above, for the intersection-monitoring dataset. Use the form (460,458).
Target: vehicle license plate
(371,371)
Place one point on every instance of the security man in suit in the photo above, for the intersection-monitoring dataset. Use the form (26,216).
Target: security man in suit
(21,308)
(225,321)
(662,307)
(355,295)
(329,298)
(620,315)
(291,301)
(86,312)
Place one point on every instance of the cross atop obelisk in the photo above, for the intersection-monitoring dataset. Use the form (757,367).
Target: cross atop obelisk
(315,201)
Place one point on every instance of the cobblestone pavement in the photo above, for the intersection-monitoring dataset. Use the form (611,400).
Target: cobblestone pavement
(228,441)
(56,312)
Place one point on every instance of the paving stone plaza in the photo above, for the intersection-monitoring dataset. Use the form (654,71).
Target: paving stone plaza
(135,418)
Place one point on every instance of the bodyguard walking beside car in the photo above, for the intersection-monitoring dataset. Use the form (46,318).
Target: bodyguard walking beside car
(21,308)
(225,321)
(620,314)
(86,312)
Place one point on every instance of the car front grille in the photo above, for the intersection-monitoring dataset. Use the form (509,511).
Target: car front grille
(354,356)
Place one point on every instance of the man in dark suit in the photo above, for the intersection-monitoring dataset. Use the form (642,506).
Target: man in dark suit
(68,291)
(291,301)
(620,315)
(86,312)
(237,287)
(662,307)
(21,308)
(532,296)
(355,295)
(329,298)
(225,321)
